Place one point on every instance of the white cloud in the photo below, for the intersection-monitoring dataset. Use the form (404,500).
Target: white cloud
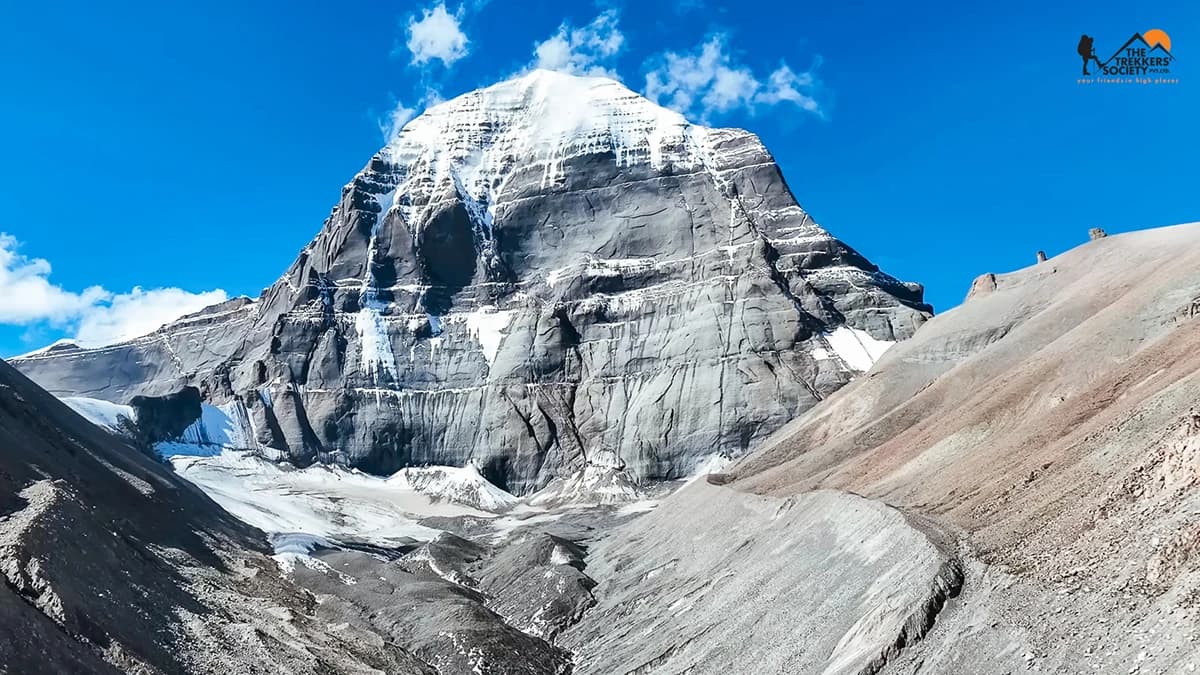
(436,35)
(584,50)
(799,88)
(95,316)
(708,80)
(395,121)
(26,296)
(138,312)
(730,88)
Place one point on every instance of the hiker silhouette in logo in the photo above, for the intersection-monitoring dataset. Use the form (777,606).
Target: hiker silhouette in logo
(1087,52)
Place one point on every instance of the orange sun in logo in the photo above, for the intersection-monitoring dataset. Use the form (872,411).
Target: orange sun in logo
(1157,36)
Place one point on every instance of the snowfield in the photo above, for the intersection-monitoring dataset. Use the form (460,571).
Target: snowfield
(321,501)
(101,413)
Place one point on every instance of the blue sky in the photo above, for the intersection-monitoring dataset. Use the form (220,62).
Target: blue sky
(157,156)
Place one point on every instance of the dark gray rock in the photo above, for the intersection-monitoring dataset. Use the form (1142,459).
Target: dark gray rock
(540,276)
(538,583)
(430,602)
(160,418)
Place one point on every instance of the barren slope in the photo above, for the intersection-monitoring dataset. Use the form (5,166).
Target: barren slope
(1053,422)
(718,581)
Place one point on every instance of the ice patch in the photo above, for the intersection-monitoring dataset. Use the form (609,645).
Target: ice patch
(292,548)
(856,347)
(101,413)
(376,346)
(287,564)
(172,449)
(220,427)
(297,542)
(226,425)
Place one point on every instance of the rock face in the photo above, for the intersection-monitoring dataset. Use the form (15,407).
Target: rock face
(163,417)
(538,277)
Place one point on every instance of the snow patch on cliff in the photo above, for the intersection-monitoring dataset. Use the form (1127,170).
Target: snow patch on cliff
(487,325)
(377,353)
(368,322)
(855,347)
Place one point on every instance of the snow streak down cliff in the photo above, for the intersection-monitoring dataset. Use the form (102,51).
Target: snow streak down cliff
(542,276)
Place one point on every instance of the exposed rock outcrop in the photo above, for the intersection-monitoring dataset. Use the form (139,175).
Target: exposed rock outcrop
(983,284)
(161,418)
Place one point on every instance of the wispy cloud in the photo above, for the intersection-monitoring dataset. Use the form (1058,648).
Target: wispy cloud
(787,86)
(94,316)
(403,112)
(395,120)
(586,50)
(708,81)
(437,34)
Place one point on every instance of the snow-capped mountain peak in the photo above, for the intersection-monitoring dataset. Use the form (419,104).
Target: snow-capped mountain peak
(539,120)
(539,113)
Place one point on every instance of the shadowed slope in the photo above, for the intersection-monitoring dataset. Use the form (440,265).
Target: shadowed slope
(112,563)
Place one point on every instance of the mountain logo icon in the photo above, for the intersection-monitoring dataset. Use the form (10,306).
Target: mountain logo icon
(1142,55)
